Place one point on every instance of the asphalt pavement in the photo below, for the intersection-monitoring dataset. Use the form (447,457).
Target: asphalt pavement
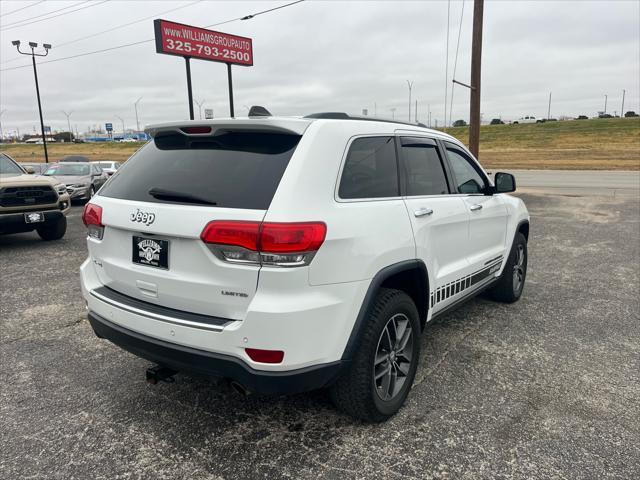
(548,387)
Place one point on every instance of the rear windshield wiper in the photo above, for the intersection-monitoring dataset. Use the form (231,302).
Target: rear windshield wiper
(174,196)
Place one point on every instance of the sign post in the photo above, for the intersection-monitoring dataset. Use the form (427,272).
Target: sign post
(192,42)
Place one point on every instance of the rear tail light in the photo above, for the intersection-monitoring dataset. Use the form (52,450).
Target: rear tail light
(267,243)
(265,356)
(92,218)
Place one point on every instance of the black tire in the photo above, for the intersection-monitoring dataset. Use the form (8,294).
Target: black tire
(508,290)
(356,391)
(55,231)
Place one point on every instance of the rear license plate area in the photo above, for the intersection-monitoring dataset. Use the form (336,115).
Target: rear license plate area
(150,252)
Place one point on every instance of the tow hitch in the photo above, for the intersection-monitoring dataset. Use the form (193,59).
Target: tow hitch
(159,373)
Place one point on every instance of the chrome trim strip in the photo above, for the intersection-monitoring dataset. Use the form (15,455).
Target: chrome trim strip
(163,318)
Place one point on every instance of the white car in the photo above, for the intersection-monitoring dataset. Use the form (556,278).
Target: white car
(108,167)
(290,254)
(527,119)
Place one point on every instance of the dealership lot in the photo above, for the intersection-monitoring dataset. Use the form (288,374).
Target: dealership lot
(546,388)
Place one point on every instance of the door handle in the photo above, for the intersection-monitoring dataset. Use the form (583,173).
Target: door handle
(421,212)
(475,207)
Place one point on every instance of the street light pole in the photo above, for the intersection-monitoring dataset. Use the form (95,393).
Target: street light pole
(622,108)
(33,54)
(410,85)
(68,123)
(122,120)
(135,104)
(605,104)
(200,103)
(2,135)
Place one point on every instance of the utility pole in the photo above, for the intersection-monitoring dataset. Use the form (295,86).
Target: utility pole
(375,109)
(416,112)
(393,113)
(33,54)
(605,104)
(549,110)
(476,63)
(622,108)
(69,124)
(121,120)
(410,85)
(135,104)
(200,104)
(1,134)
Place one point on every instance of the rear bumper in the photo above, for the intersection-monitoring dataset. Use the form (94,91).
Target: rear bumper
(15,222)
(183,358)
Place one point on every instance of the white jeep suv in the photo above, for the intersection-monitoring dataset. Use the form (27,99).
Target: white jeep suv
(290,254)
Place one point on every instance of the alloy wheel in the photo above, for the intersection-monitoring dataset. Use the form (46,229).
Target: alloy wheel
(393,357)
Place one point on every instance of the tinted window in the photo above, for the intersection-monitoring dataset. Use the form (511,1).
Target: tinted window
(468,180)
(370,170)
(97,170)
(425,174)
(232,169)
(68,169)
(8,167)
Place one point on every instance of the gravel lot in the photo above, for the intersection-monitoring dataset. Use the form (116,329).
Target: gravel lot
(546,388)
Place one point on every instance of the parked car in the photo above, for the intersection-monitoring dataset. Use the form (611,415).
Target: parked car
(107,167)
(289,254)
(34,168)
(527,119)
(75,158)
(29,202)
(83,180)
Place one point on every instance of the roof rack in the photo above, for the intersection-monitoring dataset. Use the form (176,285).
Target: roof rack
(344,116)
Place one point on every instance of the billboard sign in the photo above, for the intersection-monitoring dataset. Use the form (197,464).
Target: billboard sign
(108,127)
(188,41)
(208,113)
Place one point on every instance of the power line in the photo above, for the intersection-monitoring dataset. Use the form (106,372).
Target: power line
(141,41)
(54,16)
(125,24)
(21,8)
(44,14)
(111,29)
(455,62)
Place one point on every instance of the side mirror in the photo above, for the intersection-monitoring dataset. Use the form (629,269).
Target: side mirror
(29,170)
(505,183)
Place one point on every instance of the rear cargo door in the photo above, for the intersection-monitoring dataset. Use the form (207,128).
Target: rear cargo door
(156,206)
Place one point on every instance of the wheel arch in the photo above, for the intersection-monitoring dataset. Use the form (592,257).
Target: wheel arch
(523,227)
(409,276)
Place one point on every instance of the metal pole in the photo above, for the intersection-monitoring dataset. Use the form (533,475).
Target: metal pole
(622,108)
(135,104)
(1,133)
(549,110)
(410,85)
(476,63)
(44,138)
(605,104)
(230,79)
(189,91)
(416,111)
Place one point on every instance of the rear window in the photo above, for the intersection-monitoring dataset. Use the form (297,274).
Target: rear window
(370,170)
(230,169)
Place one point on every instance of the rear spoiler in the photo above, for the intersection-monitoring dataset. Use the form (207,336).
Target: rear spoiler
(296,126)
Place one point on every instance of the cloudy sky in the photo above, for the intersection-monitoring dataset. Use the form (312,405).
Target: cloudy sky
(321,56)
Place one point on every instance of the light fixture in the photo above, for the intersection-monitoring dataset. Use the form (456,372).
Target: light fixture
(46,46)
(16,43)
(33,44)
